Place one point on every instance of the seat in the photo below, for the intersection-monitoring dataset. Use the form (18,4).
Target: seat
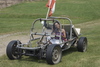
(67,29)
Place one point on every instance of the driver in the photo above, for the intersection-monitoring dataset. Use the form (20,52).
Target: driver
(56,31)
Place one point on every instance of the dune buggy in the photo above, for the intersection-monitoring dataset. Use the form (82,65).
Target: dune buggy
(46,45)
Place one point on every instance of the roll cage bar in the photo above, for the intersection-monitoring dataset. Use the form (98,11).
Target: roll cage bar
(54,19)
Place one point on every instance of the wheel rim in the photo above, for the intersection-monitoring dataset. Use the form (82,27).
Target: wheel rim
(15,52)
(56,55)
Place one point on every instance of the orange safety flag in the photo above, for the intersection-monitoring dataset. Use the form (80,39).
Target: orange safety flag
(51,6)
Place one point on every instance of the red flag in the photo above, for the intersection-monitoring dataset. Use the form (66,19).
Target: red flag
(51,5)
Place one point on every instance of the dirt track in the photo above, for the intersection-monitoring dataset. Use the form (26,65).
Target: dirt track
(5,39)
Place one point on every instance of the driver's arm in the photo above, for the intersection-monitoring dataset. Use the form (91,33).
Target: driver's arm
(64,33)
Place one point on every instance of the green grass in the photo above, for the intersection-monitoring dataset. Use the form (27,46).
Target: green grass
(78,11)
(20,17)
(85,14)
(8,25)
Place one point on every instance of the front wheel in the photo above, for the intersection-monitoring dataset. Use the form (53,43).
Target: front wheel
(53,54)
(12,51)
(82,44)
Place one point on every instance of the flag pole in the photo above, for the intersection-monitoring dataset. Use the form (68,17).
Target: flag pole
(47,13)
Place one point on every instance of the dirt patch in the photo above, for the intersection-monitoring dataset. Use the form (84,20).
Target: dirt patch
(5,39)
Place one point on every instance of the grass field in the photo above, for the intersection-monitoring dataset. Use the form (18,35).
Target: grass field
(21,16)
(84,14)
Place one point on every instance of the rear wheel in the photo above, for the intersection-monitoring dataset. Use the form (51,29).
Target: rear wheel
(12,51)
(53,54)
(82,44)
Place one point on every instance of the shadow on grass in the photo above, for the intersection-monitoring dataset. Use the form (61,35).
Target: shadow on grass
(32,59)
(37,60)
(69,51)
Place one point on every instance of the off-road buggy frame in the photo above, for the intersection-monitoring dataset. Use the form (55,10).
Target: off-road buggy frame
(52,52)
